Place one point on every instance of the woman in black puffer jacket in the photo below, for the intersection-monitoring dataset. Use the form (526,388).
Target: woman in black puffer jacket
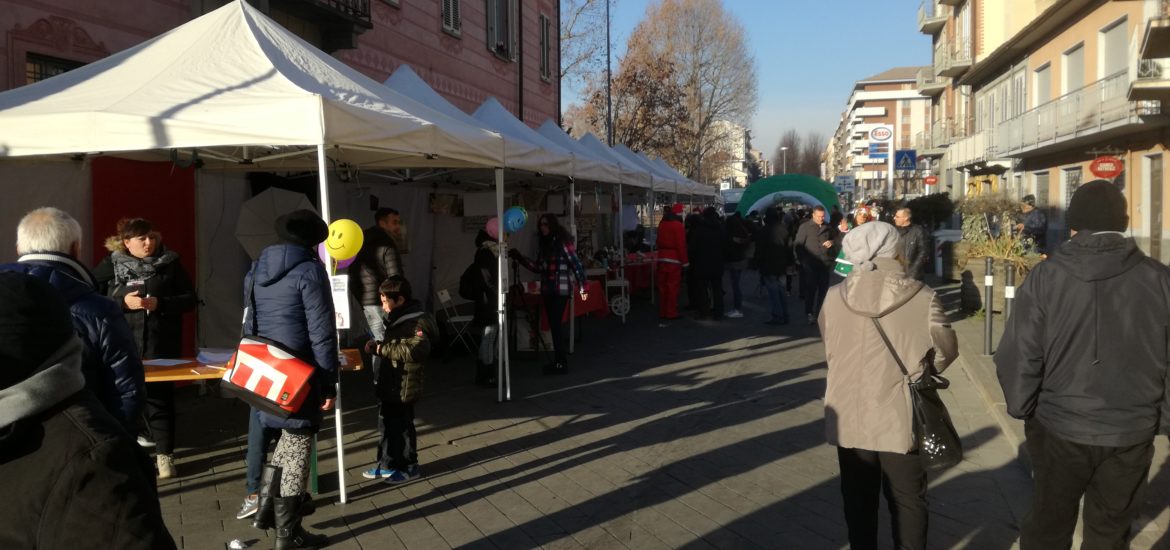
(152,287)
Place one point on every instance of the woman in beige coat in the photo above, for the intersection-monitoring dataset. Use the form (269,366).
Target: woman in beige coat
(867,399)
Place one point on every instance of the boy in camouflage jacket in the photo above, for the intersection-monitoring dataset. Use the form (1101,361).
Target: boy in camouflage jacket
(410,332)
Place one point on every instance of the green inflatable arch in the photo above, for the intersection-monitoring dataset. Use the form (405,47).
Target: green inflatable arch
(768,191)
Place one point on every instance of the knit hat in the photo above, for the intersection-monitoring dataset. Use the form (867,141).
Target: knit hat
(35,323)
(868,241)
(677,209)
(302,228)
(1098,206)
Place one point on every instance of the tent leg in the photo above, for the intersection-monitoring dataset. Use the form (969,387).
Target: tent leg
(323,181)
(503,378)
(572,300)
(621,248)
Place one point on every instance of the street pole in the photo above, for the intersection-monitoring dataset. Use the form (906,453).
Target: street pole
(989,312)
(608,83)
(784,157)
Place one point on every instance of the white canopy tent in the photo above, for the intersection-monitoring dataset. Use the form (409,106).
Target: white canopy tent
(607,169)
(246,94)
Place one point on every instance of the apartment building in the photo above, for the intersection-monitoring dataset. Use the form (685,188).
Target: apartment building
(730,159)
(890,98)
(467,50)
(1070,82)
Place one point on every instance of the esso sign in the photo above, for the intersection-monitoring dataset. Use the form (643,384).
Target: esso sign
(930,180)
(881,133)
(1107,167)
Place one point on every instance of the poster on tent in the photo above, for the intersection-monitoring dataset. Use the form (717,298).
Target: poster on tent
(340,286)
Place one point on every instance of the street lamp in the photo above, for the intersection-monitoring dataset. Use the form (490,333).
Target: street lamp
(784,156)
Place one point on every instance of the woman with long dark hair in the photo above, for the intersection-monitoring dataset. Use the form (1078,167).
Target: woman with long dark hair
(154,291)
(556,262)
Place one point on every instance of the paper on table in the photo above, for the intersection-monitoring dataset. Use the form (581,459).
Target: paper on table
(165,362)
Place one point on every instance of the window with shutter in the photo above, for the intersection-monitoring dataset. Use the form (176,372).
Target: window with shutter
(451,19)
(545,48)
(501,28)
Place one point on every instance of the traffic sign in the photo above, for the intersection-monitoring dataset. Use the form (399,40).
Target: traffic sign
(1107,167)
(881,133)
(906,159)
(879,151)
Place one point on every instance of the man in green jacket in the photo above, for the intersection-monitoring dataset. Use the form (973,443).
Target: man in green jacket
(406,350)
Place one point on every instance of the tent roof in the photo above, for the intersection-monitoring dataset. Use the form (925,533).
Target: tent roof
(632,173)
(233,78)
(607,169)
(492,115)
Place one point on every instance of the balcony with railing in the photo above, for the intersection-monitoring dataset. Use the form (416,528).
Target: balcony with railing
(956,58)
(1097,111)
(955,3)
(934,142)
(338,21)
(931,17)
(977,148)
(929,83)
(1156,41)
(1151,81)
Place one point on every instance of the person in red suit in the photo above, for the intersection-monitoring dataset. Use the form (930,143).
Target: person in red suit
(672,257)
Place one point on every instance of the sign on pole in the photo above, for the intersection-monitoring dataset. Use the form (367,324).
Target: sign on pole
(930,180)
(340,287)
(906,159)
(885,134)
(1107,167)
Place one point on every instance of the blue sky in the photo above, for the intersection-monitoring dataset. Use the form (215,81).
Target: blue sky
(809,53)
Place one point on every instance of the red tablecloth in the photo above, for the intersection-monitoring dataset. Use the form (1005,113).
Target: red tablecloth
(638,270)
(597,304)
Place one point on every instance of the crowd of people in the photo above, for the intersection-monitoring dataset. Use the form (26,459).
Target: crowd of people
(1082,361)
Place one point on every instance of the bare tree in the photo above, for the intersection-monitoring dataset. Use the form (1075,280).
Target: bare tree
(713,65)
(787,155)
(811,152)
(582,39)
(803,154)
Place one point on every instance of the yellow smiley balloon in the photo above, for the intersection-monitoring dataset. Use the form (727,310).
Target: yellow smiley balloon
(345,239)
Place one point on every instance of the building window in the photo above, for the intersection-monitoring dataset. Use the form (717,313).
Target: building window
(1074,69)
(501,28)
(545,47)
(452,21)
(1043,89)
(40,67)
(1114,49)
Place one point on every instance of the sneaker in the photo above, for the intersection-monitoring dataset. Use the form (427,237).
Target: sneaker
(145,443)
(734,314)
(166,466)
(377,473)
(249,508)
(402,476)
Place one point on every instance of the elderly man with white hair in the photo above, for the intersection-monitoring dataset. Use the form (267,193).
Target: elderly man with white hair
(48,241)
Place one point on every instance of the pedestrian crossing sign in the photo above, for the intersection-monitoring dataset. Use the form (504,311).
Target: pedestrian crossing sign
(906,159)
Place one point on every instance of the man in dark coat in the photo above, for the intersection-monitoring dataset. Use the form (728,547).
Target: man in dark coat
(816,250)
(1084,362)
(49,241)
(773,259)
(377,261)
(73,477)
(1034,228)
(706,242)
(913,242)
(738,237)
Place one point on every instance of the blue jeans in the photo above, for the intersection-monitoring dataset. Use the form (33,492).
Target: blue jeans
(735,271)
(259,438)
(373,315)
(775,297)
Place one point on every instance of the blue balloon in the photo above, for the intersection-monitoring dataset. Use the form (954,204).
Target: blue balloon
(515,218)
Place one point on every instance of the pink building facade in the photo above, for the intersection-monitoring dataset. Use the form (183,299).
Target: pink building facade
(467,50)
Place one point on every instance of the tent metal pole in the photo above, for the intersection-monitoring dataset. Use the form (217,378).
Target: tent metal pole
(503,378)
(323,190)
(621,247)
(571,203)
(653,264)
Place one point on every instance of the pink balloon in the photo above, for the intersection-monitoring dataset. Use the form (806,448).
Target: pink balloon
(328,260)
(342,264)
(493,228)
(324,255)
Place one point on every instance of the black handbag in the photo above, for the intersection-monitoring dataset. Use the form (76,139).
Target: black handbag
(936,440)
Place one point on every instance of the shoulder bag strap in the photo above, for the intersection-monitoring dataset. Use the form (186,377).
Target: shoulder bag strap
(877,324)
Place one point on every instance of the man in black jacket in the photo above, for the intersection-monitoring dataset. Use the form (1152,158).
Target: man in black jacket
(773,259)
(377,261)
(1084,362)
(913,242)
(73,477)
(816,251)
(49,242)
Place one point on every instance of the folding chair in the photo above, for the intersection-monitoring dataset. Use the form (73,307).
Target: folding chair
(459,323)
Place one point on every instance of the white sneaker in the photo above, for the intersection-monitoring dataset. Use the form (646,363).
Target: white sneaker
(145,443)
(735,314)
(166,466)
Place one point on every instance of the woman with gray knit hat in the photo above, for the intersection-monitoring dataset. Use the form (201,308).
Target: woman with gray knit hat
(868,414)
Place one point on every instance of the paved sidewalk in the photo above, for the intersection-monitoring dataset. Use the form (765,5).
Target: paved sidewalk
(695,434)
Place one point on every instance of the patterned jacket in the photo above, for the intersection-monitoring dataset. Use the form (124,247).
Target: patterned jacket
(407,347)
(555,272)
